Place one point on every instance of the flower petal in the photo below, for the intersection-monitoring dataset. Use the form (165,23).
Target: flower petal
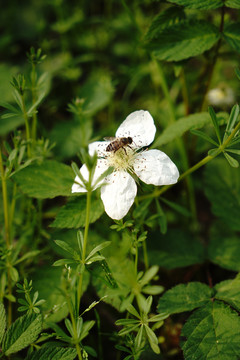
(78,185)
(99,147)
(140,126)
(155,167)
(119,194)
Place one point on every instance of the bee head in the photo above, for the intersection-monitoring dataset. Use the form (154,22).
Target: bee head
(130,140)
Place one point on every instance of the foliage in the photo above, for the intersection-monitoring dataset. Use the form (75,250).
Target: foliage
(163,282)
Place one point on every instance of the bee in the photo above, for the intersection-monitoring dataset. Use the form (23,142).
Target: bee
(118,143)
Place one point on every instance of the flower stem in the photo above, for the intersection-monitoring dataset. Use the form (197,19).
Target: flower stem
(85,237)
(34,122)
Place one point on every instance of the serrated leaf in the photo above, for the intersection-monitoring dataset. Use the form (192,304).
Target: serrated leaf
(46,180)
(176,249)
(232,4)
(212,332)
(231,34)
(191,122)
(224,250)
(22,333)
(201,5)
(2,321)
(166,18)
(73,214)
(183,40)
(221,186)
(184,297)
(229,292)
(53,353)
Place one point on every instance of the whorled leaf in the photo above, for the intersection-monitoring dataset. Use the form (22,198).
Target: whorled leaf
(184,297)
(22,333)
(191,122)
(212,332)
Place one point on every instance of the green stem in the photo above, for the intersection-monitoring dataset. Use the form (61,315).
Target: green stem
(28,137)
(85,237)
(145,255)
(196,166)
(7,232)
(34,122)
(136,261)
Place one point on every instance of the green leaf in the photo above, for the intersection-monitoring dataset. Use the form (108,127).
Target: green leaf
(221,186)
(98,248)
(231,34)
(22,333)
(184,297)
(199,4)
(232,162)
(73,214)
(215,123)
(66,247)
(2,321)
(212,332)
(237,72)
(166,18)
(46,180)
(232,4)
(53,353)
(191,122)
(176,249)
(229,292)
(183,40)
(204,136)
(224,250)
(231,122)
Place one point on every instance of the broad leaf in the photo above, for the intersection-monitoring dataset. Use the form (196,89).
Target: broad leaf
(235,4)
(163,20)
(2,321)
(46,180)
(176,249)
(224,251)
(73,214)
(212,332)
(221,186)
(184,40)
(22,333)
(199,4)
(232,35)
(53,353)
(191,122)
(229,292)
(184,297)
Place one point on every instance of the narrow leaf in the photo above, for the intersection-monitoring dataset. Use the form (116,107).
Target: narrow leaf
(233,162)
(231,34)
(53,353)
(231,122)
(98,248)
(215,122)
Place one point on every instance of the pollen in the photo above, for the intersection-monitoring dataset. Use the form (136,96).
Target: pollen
(122,160)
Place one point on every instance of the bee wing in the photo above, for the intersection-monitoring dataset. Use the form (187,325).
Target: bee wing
(110,138)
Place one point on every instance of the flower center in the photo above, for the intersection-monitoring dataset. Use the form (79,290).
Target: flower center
(122,159)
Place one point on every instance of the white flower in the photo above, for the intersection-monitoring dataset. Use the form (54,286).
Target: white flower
(221,96)
(119,189)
